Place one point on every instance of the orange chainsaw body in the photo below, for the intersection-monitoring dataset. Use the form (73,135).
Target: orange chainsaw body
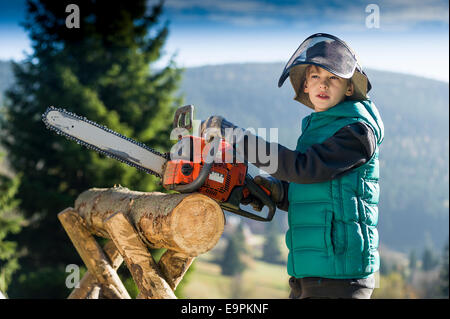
(222,178)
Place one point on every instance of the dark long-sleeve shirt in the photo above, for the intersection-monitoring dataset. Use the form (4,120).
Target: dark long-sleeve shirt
(350,147)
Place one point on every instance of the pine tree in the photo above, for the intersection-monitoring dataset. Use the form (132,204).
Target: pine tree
(232,262)
(429,259)
(271,247)
(10,223)
(104,71)
(443,275)
(413,260)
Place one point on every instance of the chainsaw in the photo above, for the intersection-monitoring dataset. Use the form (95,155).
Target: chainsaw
(195,164)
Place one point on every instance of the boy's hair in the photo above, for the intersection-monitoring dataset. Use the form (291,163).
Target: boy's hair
(308,72)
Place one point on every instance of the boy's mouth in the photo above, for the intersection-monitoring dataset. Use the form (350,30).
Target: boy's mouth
(323,96)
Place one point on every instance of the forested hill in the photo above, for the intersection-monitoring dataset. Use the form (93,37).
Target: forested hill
(414,200)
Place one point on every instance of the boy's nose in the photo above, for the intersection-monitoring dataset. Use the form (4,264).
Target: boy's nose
(324,83)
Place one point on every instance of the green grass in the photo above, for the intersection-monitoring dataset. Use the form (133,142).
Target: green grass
(259,280)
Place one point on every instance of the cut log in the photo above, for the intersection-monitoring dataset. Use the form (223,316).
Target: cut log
(91,253)
(140,262)
(190,224)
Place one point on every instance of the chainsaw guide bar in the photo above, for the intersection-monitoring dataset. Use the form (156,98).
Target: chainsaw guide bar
(114,145)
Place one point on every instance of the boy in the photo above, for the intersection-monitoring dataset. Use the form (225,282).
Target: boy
(329,184)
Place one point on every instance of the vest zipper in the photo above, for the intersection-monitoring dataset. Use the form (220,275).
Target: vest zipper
(341,204)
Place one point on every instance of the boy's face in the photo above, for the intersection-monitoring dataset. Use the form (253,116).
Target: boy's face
(325,89)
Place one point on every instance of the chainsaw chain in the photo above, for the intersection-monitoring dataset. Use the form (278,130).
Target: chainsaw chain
(95,148)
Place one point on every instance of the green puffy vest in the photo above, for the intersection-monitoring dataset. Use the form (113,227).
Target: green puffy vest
(332,225)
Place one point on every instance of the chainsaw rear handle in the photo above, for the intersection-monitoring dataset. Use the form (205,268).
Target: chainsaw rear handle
(233,203)
(250,188)
(258,192)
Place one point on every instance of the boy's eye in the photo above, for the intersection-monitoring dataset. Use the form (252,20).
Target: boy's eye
(334,78)
(314,76)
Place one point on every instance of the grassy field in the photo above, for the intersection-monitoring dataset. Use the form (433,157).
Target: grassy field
(259,280)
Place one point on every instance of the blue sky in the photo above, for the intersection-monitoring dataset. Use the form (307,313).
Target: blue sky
(412,36)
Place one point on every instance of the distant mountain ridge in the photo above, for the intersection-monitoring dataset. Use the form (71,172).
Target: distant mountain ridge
(414,158)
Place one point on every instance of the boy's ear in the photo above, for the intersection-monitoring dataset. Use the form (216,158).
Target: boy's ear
(305,87)
(350,89)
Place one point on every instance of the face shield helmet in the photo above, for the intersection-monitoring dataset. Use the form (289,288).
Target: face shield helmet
(331,54)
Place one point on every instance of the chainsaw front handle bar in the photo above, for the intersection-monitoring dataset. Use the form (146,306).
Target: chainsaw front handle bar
(204,172)
(184,116)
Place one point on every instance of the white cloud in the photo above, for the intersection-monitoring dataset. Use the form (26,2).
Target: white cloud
(245,21)
(230,6)
(412,13)
(395,15)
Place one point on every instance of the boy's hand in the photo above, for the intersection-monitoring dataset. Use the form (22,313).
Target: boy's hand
(215,126)
(273,185)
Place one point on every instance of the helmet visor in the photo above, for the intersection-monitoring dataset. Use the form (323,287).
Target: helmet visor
(326,51)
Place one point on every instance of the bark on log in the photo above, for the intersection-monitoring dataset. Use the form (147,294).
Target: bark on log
(187,223)
(91,253)
(89,280)
(140,262)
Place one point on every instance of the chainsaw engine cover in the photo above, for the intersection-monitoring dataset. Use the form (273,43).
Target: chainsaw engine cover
(223,177)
